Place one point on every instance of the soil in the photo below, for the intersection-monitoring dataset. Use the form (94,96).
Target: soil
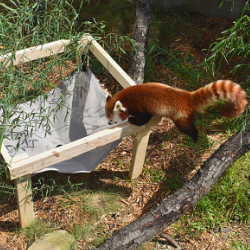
(169,156)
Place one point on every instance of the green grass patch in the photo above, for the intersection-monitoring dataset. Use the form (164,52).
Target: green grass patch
(36,230)
(100,203)
(153,174)
(227,202)
(173,183)
(240,246)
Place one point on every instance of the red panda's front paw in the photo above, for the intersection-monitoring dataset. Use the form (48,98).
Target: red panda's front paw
(133,120)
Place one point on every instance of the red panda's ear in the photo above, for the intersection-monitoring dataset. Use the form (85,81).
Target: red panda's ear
(108,96)
(119,107)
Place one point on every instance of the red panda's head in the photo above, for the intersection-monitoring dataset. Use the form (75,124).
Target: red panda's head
(114,110)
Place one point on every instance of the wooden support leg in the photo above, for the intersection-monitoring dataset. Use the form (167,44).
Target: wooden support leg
(139,153)
(24,200)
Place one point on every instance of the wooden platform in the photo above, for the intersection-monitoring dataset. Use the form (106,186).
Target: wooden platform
(20,167)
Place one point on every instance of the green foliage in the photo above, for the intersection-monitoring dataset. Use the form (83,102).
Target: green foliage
(115,12)
(100,202)
(24,27)
(172,183)
(21,25)
(171,60)
(240,246)
(37,229)
(230,198)
(153,174)
(97,67)
(227,202)
(181,66)
(222,2)
(6,187)
(49,186)
(234,42)
(153,51)
(166,24)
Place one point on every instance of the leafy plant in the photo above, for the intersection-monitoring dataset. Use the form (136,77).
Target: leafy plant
(171,60)
(49,186)
(96,66)
(229,200)
(234,42)
(37,229)
(154,175)
(22,26)
(153,51)
(240,246)
(172,183)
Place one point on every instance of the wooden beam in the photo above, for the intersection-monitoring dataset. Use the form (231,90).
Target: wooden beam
(35,52)
(53,48)
(139,153)
(5,154)
(24,200)
(108,62)
(70,150)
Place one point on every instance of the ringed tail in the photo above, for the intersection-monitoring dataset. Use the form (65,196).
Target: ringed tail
(221,90)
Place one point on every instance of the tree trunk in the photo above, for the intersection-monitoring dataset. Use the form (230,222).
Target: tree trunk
(140,35)
(150,225)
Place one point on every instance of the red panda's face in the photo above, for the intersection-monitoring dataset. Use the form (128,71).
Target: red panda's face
(114,111)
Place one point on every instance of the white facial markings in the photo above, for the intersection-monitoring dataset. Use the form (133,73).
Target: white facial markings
(118,107)
(115,116)
(108,96)
(115,119)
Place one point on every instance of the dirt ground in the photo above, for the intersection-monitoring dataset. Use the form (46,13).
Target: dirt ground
(143,195)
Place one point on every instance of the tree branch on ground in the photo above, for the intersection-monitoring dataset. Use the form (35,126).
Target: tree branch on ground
(151,224)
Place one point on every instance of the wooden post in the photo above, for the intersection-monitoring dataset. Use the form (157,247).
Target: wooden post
(139,153)
(24,200)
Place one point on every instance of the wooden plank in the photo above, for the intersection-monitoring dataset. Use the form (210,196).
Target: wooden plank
(36,52)
(24,200)
(70,150)
(4,152)
(20,157)
(108,62)
(139,152)
(53,48)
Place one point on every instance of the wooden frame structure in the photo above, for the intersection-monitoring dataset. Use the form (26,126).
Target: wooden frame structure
(20,167)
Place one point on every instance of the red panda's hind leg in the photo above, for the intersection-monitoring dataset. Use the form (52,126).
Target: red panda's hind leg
(187,126)
(140,119)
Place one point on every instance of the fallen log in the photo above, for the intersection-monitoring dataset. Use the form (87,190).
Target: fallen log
(153,223)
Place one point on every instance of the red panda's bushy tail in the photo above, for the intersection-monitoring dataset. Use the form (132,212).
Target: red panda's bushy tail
(221,90)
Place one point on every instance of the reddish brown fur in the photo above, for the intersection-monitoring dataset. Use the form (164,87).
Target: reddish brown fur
(222,89)
(179,105)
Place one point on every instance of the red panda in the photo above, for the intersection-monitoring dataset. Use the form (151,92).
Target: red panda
(140,102)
